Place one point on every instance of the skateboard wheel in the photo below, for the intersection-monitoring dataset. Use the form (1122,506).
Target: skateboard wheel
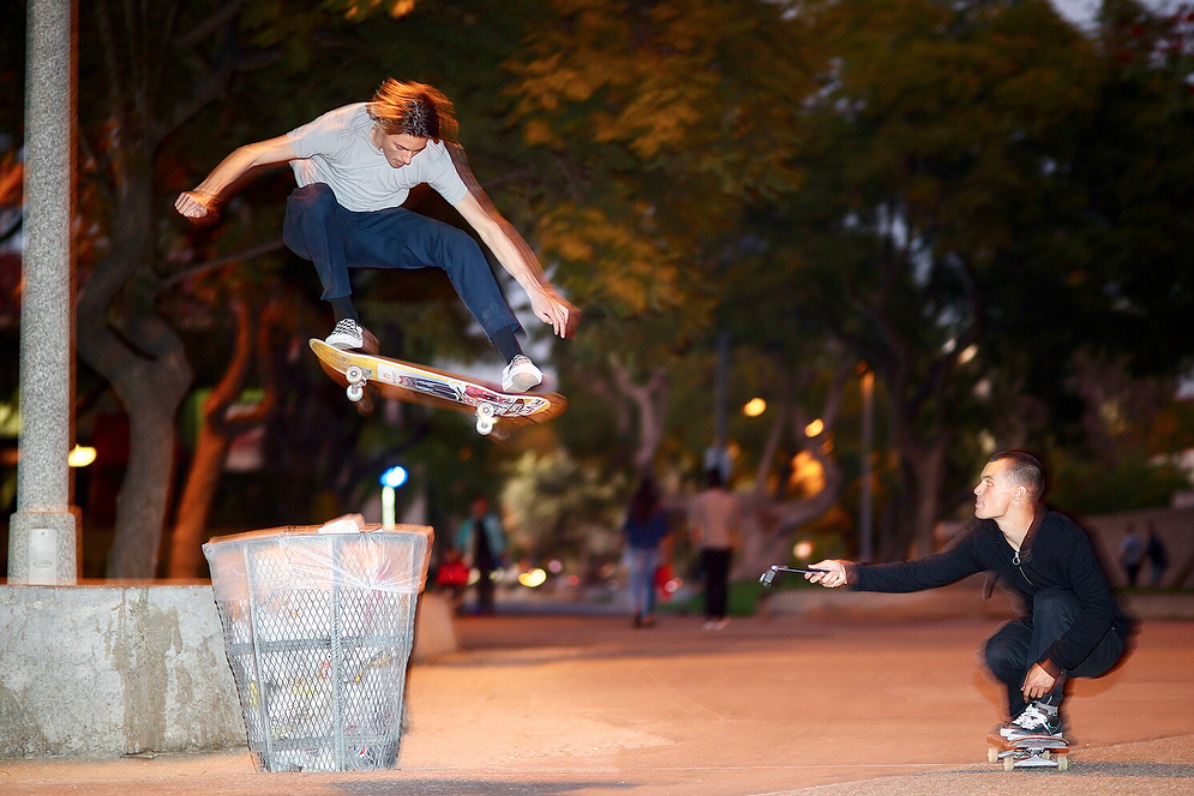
(992,754)
(485,410)
(484,426)
(355,392)
(1009,763)
(1063,762)
(354,373)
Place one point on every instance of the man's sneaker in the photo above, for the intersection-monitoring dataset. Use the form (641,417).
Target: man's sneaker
(351,336)
(1036,719)
(521,375)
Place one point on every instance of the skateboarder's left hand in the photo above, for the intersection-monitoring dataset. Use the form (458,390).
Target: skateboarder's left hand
(1038,682)
(552,308)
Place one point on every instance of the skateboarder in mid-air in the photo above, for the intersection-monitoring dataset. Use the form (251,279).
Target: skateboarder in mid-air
(1072,625)
(355,166)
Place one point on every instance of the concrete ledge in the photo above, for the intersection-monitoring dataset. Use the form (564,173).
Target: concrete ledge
(109,670)
(435,633)
(103,671)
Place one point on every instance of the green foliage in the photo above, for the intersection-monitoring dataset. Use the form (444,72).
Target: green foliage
(558,507)
(1131,482)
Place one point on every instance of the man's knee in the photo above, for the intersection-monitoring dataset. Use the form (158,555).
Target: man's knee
(1003,657)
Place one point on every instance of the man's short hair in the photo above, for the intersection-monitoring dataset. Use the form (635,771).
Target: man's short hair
(1024,469)
(413,109)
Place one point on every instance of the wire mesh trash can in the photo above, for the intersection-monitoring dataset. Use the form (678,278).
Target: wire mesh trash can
(318,629)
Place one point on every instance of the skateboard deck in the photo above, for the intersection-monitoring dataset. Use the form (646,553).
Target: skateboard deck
(1033,751)
(403,381)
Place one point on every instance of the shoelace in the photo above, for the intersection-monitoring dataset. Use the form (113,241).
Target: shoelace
(1033,717)
(346,326)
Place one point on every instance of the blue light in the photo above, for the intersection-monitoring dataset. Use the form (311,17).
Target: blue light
(394,477)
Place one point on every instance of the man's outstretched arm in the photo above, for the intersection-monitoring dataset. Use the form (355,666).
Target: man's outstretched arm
(202,200)
(516,257)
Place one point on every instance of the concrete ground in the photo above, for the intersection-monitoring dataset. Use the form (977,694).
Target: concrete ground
(587,705)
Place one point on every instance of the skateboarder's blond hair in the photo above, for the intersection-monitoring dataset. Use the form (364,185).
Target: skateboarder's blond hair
(413,109)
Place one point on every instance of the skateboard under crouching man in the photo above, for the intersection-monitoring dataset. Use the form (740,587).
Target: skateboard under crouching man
(1030,751)
(391,378)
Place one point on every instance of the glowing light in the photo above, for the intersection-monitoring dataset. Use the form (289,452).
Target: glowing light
(803,550)
(814,428)
(394,477)
(968,353)
(81,456)
(556,566)
(533,578)
(754,407)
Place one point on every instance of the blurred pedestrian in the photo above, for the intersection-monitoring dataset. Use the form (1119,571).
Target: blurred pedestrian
(1158,556)
(714,522)
(1131,555)
(452,577)
(482,542)
(645,534)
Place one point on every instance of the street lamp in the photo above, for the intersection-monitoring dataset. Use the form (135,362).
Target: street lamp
(391,479)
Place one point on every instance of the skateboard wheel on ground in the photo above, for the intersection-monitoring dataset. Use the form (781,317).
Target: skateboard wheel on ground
(1063,762)
(992,754)
(355,392)
(1009,763)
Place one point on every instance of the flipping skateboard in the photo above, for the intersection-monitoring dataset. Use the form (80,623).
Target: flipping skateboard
(1032,751)
(392,378)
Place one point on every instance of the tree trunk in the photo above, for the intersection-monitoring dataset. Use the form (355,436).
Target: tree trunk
(215,436)
(650,398)
(146,366)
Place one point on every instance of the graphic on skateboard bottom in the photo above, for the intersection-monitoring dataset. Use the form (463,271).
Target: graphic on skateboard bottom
(1033,751)
(419,384)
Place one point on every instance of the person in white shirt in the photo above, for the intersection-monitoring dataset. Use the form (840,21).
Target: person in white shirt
(355,166)
(714,521)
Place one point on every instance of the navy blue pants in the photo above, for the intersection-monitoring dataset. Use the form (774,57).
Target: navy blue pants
(1013,650)
(318,229)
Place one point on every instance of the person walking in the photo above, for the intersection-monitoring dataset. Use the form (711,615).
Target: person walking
(715,521)
(646,537)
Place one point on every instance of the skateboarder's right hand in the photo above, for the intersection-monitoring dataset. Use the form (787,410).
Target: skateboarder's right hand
(835,574)
(196,205)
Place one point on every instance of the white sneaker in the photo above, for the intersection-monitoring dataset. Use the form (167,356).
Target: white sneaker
(521,375)
(1036,719)
(351,336)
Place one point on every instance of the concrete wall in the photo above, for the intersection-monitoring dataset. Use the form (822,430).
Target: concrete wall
(105,671)
(1175,528)
(109,670)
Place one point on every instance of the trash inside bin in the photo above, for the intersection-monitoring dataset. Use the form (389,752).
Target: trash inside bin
(318,629)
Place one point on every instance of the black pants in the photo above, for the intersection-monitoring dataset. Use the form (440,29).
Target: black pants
(716,563)
(1013,650)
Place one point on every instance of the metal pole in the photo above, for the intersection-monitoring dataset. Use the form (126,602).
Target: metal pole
(42,534)
(866,515)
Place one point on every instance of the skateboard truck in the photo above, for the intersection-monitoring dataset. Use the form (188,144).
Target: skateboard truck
(770,574)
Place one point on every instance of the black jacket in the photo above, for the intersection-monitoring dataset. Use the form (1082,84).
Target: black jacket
(1056,554)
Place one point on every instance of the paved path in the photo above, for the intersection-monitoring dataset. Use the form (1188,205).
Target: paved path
(582,706)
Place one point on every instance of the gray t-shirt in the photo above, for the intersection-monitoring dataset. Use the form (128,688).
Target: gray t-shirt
(336,149)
